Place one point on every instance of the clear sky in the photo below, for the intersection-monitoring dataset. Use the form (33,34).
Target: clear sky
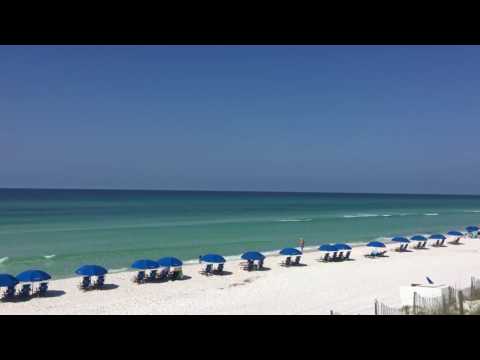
(280,118)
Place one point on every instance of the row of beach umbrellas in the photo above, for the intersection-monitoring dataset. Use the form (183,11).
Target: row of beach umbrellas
(7,280)
(402,239)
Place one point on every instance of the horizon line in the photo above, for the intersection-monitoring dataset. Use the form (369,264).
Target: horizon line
(237,191)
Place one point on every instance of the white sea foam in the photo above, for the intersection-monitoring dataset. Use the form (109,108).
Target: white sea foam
(295,220)
(365,216)
(360,216)
(3,259)
(113,271)
(49,256)
(431,214)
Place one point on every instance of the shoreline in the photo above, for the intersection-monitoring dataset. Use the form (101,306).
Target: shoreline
(228,258)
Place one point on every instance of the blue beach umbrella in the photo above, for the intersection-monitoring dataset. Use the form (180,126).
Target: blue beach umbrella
(342,246)
(91,270)
(376,244)
(213,258)
(7,280)
(328,247)
(471,229)
(437,237)
(418,238)
(455,233)
(145,264)
(33,276)
(401,239)
(169,262)
(253,256)
(290,252)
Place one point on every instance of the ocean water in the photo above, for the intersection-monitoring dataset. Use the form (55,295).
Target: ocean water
(59,230)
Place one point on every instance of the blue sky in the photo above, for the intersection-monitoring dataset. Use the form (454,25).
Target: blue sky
(280,118)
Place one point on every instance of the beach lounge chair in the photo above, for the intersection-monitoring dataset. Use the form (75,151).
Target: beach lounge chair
(297,260)
(207,270)
(442,243)
(86,283)
(139,278)
(25,291)
(287,262)
(340,256)
(100,282)
(326,257)
(334,257)
(9,293)
(176,275)
(374,254)
(347,255)
(152,276)
(220,268)
(260,264)
(249,266)
(43,289)
(163,274)
(424,244)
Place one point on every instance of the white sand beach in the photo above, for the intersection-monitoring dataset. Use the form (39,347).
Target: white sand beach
(348,287)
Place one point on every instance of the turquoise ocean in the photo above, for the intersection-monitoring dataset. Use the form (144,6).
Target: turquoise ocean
(59,230)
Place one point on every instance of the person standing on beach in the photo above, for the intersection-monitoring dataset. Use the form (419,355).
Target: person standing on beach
(301,243)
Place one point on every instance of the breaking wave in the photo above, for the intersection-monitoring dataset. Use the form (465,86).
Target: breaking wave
(295,220)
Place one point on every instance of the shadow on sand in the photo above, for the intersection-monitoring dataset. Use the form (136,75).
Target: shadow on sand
(109,287)
(223,273)
(53,293)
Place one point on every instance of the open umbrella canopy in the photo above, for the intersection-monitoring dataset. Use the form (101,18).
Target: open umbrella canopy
(328,247)
(376,244)
(213,258)
(342,246)
(169,262)
(253,256)
(145,264)
(7,280)
(437,237)
(33,276)
(91,270)
(472,228)
(290,252)
(418,238)
(455,233)
(400,239)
